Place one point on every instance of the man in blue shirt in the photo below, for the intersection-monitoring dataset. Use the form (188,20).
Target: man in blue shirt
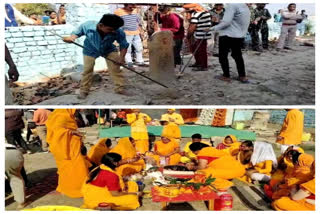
(99,42)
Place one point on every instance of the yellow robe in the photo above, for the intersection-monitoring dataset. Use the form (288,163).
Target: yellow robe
(139,131)
(65,147)
(174,116)
(97,151)
(127,151)
(292,128)
(301,174)
(94,195)
(165,149)
(225,166)
(233,149)
(171,130)
(189,153)
(287,204)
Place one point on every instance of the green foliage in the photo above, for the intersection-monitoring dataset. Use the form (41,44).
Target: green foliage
(30,8)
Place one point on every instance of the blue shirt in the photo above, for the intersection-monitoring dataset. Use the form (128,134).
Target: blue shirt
(95,45)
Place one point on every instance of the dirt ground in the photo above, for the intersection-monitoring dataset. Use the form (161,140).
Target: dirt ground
(40,166)
(277,78)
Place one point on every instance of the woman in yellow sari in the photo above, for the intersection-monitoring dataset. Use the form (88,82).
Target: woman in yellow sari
(302,199)
(230,144)
(139,131)
(216,163)
(171,130)
(105,185)
(301,173)
(65,145)
(130,163)
(97,151)
(166,152)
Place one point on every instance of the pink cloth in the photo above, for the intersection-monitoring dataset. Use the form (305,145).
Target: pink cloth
(173,23)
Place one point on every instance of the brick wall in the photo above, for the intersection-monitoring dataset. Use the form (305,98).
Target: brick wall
(37,53)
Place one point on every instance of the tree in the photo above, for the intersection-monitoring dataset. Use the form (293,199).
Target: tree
(33,8)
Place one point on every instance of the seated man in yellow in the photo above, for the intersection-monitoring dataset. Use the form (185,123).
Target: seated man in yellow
(166,152)
(302,199)
(188,154)
(139,132)
(172,117)
(263,160)
(230,144)
(106,186)
(131,162)
(245,153)
(97,151)
(216,163)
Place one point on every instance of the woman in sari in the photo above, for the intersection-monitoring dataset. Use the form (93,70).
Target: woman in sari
(166,151)
(230,144)
(131,162)
(302,199)
(216,163)
(105,185)
(301,173)
(97,151)
(65,145)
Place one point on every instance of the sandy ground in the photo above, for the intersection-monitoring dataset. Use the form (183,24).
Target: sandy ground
(41,165)
(277,78)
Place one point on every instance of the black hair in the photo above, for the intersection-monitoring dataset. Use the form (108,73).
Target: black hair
(108,159)
(292,4)
(52,12)
(295,155)
(108,142)
(248,143)
(197,146)
(112,20)
(198,136)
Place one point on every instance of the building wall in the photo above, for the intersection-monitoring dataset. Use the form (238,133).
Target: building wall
(37,53)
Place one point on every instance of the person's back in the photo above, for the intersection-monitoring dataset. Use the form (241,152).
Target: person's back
(236,19)
(13,119)
(131,21)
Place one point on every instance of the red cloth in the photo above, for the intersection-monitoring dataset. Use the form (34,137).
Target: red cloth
(107,179)
(201,56)
(122,114)
(173,23)
(221,146)
(209,159)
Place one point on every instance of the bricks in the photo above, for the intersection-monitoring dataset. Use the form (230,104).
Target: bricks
(31,43)
(38,38)
(28,53)
(20,44)
(42,42)
(32,48)
(13,29)
(7,35)
(14,40)
(60,55)
(39,33)
(52,42)
(10,45)
(28,34)
(27,39)
(46,52)
(50,47)
(40,48)
(19,50)
(36,53)
(27,29)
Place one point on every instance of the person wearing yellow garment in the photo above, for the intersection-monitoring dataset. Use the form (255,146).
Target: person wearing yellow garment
(65,145)
(172,117)
(188,154)
(245,153)
(171,130)
(292,129)
(263,160)
(216,163)
(139,131)
(302,172)
(97,151)
(301,199)
(166,152)
(230,144)
(105,185)
(131,162)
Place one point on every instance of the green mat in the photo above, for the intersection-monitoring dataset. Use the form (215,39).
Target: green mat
(186,131)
